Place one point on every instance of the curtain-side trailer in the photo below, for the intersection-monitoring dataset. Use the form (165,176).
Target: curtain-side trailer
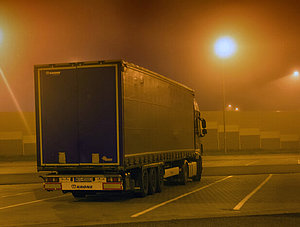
(114,126)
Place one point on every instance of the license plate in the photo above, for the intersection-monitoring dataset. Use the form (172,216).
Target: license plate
(83,179)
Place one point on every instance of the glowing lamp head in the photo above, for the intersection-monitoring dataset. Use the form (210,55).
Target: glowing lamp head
(296,74)
(225,47)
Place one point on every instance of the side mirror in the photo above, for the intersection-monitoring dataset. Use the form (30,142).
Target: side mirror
(203,123)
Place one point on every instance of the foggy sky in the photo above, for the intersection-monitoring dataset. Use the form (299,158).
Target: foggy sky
(173,38)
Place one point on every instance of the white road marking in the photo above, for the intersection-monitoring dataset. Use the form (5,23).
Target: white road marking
(176,198)
(18,185)
(22,193)
(298,161)
(240,204)
(250,163)
(34,201)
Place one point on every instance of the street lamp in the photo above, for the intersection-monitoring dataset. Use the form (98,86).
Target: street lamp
(296,74)
(231,108)
(224,48)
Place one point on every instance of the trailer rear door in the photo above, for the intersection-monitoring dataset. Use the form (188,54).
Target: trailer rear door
(78,115)
(58,115)
(98,114)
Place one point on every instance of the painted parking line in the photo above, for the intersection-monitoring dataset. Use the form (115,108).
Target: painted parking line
(240,204)
(31,202)
(250,163)
(176,198)
(22,193)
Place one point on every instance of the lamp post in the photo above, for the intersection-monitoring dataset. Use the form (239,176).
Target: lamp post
(224,48)
(1,36)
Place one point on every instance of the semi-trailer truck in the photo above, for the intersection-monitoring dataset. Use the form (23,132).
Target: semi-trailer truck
(114,126)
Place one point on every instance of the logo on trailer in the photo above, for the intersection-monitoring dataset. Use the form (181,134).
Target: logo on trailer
(106,159)
(85,186)
(74,186)
(56,73)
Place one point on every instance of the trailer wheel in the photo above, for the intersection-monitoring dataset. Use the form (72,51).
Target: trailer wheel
(144,183)
(152,181)
(199,170)
(160,179)
(183,175)
(78,194)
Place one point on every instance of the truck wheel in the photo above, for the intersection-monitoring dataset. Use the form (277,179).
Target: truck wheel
(160,179)
(199,170)
(144,184)
(183,175)
(78,194)
(152,181)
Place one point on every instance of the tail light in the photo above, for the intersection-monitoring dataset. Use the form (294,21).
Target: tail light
(113,179)
(52,179)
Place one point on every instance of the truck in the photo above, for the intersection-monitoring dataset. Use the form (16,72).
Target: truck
(111,125)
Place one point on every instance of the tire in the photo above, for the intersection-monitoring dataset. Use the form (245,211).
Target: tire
(160,179)
(152,181)
(78,194)
(183,175)
(199,170)
(144,183)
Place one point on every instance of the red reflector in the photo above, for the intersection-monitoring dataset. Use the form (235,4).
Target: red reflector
(52,186)
(112,186)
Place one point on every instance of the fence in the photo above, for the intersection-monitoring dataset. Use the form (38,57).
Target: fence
(245,131)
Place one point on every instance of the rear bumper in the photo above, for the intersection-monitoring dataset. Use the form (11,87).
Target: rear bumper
(84,186)
(83,183)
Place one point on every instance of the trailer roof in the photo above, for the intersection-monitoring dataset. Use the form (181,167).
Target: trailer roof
(123,62)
